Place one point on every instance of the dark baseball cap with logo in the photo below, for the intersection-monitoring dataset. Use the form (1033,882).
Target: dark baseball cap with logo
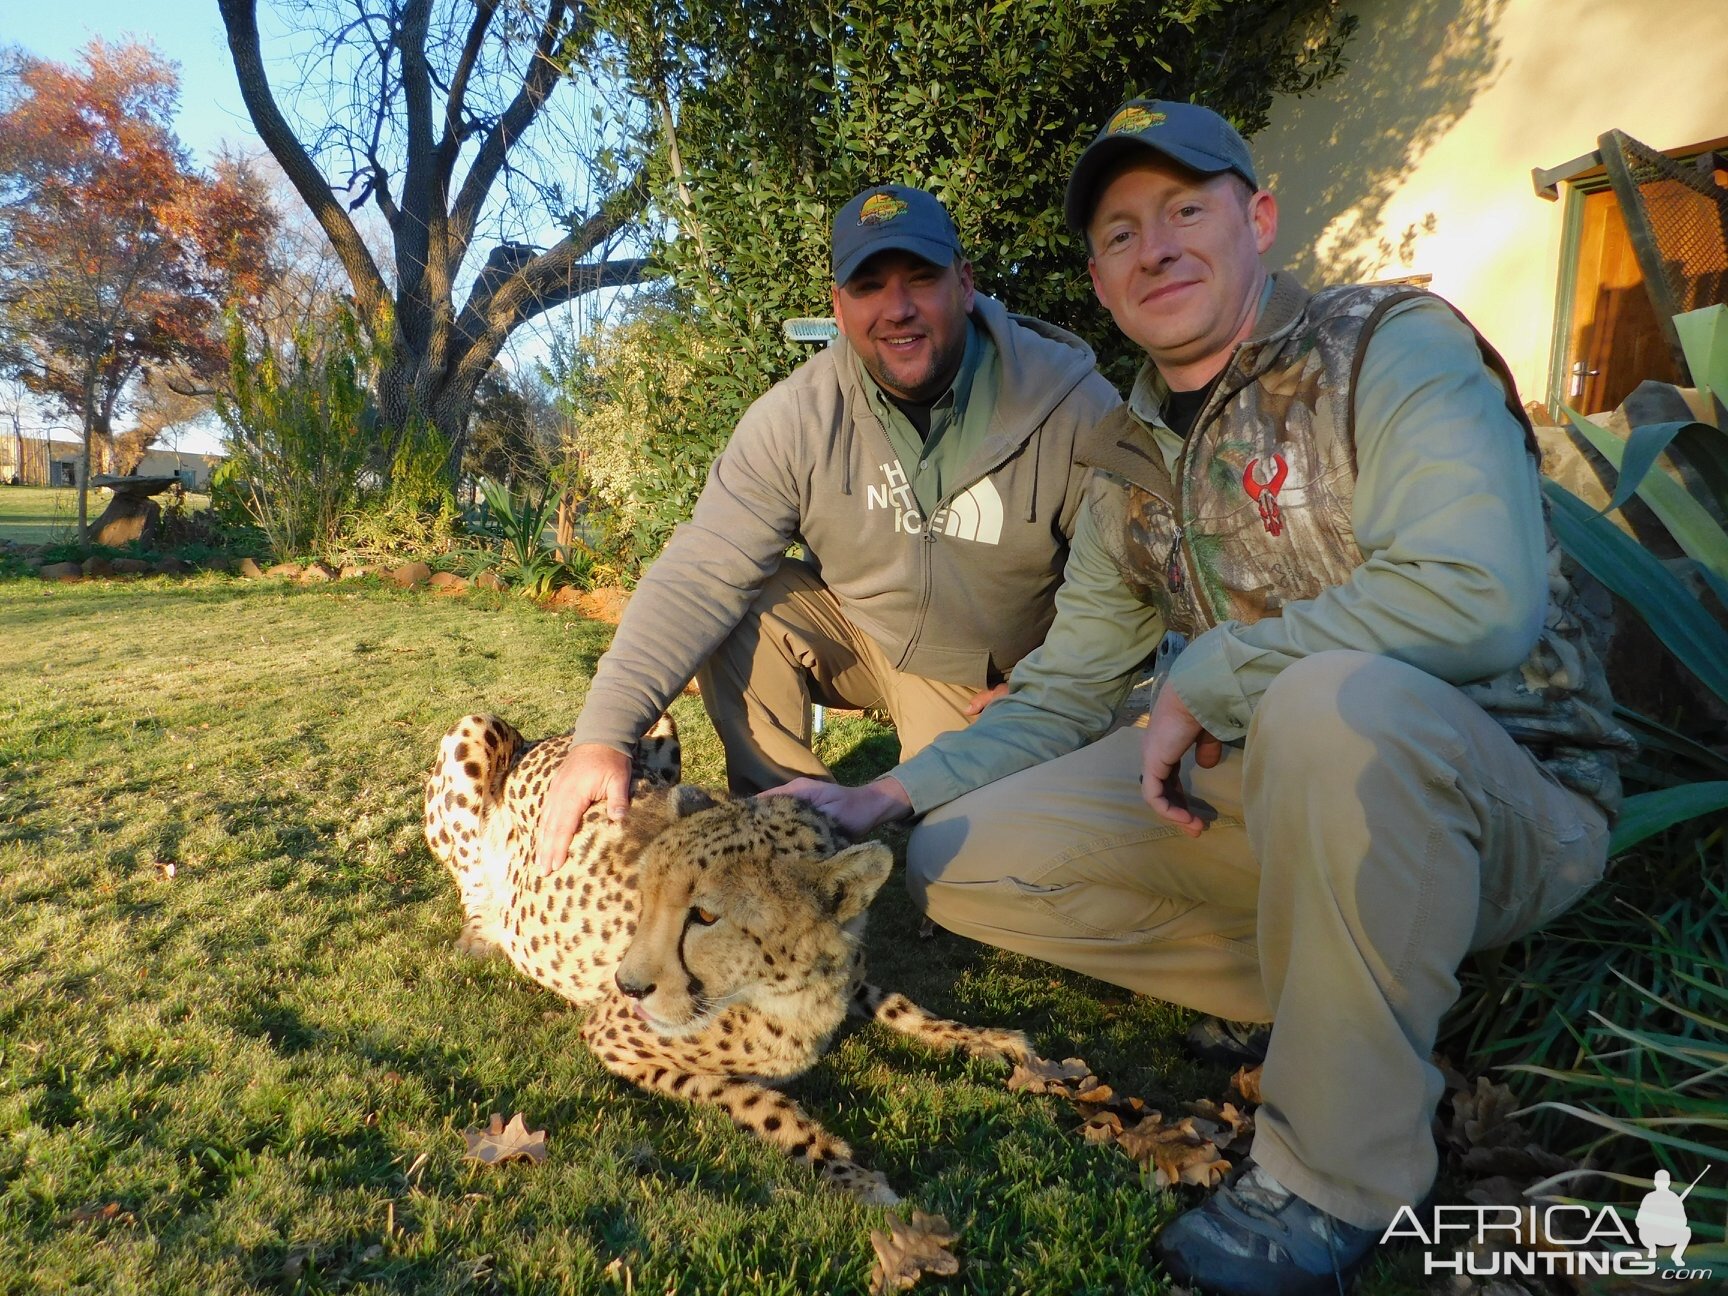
(1195,137)
(892,217)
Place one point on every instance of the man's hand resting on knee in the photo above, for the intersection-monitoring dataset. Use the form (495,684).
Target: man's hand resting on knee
(591,774)
(856,809)
(1171,730)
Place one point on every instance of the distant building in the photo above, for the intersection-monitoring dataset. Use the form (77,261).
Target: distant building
(38,461)
(193,469)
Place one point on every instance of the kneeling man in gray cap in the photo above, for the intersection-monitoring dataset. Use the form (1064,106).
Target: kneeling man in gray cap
(928,463)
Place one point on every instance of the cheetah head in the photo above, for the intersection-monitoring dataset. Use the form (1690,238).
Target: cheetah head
(745,902)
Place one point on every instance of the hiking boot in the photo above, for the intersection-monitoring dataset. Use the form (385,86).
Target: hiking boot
(1233,1044)
(1254,1237)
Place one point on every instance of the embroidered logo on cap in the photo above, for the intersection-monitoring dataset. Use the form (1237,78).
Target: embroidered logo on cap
(879,209)
(1132,120)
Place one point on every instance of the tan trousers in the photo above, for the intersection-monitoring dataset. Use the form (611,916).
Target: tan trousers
(1376,827)
(794,647)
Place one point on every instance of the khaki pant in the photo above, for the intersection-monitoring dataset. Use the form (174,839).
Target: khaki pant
(795,647)
(1376,827)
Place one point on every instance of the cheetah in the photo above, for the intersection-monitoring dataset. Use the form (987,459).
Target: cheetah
(716,942)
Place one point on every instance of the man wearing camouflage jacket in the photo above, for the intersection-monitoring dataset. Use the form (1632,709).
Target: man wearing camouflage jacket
(1386,743)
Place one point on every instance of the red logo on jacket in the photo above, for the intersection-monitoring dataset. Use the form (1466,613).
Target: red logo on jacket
(1265,493)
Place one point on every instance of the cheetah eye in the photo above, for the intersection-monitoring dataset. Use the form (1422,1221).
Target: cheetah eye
(704,917)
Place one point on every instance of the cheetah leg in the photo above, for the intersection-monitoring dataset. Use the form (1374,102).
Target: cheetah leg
(466,787)
(897,1012)
(771,1115)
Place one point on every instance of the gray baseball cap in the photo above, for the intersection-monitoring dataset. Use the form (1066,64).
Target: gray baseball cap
(896,217)
(1195,137)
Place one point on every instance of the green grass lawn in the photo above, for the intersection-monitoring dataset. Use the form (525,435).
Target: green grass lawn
(42,514)
(253,1075)
(49,514)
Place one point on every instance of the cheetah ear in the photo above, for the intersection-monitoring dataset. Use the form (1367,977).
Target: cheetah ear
(854,876)
(687,800)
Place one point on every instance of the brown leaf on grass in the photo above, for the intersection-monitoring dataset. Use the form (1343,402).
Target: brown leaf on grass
(1230,1119)
(108,1214)
(1178,1153)
(498,1142)
(1246,1082)
(1102,1127)
(909,1249)
(1482,1117)
(1042,1076)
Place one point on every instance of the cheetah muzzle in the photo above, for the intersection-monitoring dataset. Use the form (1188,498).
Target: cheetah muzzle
(716,943)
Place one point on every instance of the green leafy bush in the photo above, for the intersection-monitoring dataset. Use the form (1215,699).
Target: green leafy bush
(300,434)
(308,464)
(769,116)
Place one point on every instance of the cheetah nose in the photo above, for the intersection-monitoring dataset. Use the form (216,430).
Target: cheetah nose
(631,988)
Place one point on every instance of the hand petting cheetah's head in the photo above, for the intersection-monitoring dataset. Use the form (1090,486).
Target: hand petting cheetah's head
(744,901)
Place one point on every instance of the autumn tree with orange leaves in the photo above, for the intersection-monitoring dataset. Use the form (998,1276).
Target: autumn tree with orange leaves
(117,256)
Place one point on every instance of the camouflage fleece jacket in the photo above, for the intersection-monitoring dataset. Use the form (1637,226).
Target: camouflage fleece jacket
(1360,477)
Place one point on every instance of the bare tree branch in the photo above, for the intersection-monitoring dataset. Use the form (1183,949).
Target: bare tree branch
(241,20)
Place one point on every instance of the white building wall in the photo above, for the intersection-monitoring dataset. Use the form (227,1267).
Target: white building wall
(1417,159)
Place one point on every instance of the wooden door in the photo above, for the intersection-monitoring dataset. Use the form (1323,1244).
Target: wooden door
(1613,341)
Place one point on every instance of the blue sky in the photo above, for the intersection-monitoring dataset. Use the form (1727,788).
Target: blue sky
(189,32)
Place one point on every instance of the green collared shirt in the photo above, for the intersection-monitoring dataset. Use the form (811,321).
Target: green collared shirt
(959,421)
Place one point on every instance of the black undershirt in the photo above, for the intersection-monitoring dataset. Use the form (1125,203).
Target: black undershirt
(1181,408)
(917,413)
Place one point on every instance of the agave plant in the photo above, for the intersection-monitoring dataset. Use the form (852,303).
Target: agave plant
(533,566)
(1619,1011)
(1665,602)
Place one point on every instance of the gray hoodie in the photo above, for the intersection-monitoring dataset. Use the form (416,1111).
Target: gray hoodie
(961,599)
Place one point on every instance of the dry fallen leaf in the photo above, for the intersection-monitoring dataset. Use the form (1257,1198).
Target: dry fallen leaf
(1041,1076)
(1229,1117)
(499,1142)
(109,1214)
(165,869)
(909,1250)
(1178,1153)
(1246,1082)
(1102,1127)
(1482,1118)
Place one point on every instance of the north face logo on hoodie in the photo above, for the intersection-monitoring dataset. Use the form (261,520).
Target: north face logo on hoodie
(974,514)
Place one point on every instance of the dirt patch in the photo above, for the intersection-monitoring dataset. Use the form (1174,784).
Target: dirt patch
(603,604)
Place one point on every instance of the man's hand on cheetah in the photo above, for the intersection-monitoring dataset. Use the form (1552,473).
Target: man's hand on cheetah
(591,774)
(856,809)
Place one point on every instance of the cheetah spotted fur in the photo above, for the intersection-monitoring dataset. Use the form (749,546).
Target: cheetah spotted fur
(716,943)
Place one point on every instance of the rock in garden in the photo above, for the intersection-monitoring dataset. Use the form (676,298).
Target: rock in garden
(62,571)
(250,569)
(317,571)
(411,574)
(96,565)
(127,518)
(352,571)
(448,582)
(130,566)
(489,580)
(287,571)
(172,566)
